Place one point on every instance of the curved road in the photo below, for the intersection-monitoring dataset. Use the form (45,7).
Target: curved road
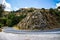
(11,34)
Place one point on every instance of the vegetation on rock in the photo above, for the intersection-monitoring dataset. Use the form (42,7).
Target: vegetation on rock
(31,18)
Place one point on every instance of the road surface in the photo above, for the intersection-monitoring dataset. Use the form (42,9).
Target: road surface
(11,34)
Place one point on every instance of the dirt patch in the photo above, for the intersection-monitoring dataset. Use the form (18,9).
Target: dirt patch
(0,30)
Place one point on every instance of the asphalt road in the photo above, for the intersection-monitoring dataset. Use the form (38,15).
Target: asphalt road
(11,30)
(10,36)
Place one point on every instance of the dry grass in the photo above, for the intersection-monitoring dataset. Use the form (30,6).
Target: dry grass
(0,30)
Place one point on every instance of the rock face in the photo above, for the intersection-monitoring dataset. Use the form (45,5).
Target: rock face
(33,20)
(38,19)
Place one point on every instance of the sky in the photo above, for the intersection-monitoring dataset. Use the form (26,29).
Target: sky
(17,4)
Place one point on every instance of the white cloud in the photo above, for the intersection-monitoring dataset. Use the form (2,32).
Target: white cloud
(58,4)
(26,7)
(7,5)
(2,1)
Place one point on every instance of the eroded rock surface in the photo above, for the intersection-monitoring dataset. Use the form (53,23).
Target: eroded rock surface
(33,20)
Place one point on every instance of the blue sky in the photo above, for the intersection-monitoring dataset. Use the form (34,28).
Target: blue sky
(16,4)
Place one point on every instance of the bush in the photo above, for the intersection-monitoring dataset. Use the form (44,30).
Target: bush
(1,25)
(9,22)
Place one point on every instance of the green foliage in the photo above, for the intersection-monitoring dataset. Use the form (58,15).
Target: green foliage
(11,16)
(3,20)
(58,7)
(57,13)
(17,19)
(8,22)
(1,25)
(22,16)
(1,9)
(31,10)
(51,10)
(12,19)
(43,9)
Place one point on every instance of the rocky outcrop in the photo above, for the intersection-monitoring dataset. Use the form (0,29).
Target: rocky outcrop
(38,19)
(34,20)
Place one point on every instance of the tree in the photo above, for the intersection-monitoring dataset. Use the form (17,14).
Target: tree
(52,11)
(43,9)
(1,25)
(11,15)
(1,9)
(9,22)
(58,7)
(1,12)
(10,19)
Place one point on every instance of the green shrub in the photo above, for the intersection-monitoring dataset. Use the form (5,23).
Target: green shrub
(1,25)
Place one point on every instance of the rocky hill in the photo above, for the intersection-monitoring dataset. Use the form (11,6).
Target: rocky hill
(39,18)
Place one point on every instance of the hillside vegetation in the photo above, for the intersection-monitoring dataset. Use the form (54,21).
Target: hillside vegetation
(39,18)
(31,18)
